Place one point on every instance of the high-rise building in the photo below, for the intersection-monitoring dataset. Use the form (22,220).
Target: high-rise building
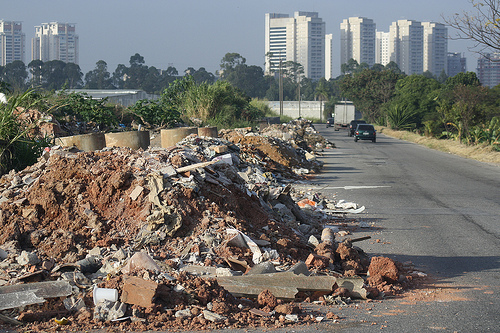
(406,46)
(12,42)
(300,39)
(328,56)
(456,64)
(55,41)
(435,47)
(357,40)
(382,55)
(488,69)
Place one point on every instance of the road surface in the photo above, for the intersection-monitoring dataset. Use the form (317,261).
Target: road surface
(437,210)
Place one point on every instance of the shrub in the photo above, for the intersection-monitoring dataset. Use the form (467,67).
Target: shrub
(18,148)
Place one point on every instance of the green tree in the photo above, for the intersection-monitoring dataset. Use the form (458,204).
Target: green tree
(152,82)
(321,93)
(249,79)
(369,90)
(428,74)
(468,109)
(350,67)
(73,75)
(99,77)
(415,95)
(466,79)
(201,75)
(119,76)
(171,71)
(442,77)
(35,68)
(378,67)
(136,74)
(15,74)
(229,62)
(393,67)
(53,76)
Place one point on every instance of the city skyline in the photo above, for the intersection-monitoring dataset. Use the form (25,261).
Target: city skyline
(199,33)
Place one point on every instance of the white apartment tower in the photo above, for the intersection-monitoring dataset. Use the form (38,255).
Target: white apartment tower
(406,46)
(55,41)
(299,39)
(12,42)
(328,56)
(435,47)
(357,40)
(382,55)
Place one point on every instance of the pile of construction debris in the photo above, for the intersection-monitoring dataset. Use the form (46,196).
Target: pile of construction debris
(206,234)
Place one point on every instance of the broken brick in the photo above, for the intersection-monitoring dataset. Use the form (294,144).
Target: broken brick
(314,260)
(138,291)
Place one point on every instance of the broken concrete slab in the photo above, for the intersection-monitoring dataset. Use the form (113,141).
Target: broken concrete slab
(199,270)
(32,293)
(283,285)
(19,299)
(355,285)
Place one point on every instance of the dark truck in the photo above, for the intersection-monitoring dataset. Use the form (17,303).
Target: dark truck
(352,126)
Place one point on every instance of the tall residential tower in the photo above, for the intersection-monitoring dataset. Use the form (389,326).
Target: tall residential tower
(357,40)
(300,39)
(406,46)
(435,47)
(382,55)
(12,42)
(55,41)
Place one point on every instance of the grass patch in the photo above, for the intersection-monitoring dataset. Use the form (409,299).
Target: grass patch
(482,153)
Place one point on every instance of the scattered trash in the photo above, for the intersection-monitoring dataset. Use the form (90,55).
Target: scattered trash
(107,294)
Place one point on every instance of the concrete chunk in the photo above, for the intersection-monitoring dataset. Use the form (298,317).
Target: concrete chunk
(212,316)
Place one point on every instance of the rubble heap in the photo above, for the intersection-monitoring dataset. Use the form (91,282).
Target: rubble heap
(207,234)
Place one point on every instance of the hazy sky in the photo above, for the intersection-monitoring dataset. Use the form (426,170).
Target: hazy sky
(198,33)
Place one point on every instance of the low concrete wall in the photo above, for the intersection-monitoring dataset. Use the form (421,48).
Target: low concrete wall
(308,109)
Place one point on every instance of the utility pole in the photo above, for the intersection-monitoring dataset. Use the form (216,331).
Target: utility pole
(299,96)
(281,86)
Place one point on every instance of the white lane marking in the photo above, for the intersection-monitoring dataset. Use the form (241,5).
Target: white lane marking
(356,187)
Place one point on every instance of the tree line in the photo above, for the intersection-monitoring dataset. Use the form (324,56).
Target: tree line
(57,75)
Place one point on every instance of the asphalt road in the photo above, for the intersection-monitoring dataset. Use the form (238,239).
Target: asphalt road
(437,210)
